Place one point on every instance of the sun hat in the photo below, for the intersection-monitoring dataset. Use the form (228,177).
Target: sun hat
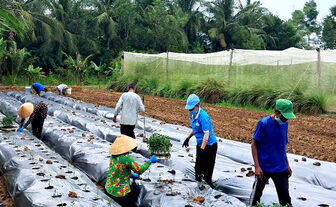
(285,107)
(26,110)
(192,101)
(123,144)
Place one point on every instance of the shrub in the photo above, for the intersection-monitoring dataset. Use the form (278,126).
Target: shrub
(164,91)
(7,121)
(183,89)
(147,85)
(210,90)
(121,84)
(159,144)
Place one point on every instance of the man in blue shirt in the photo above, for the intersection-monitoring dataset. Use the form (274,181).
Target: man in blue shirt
(205,137)
(269,153)
(38,87)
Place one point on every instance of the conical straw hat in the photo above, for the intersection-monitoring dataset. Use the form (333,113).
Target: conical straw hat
(26,110)
(123,144)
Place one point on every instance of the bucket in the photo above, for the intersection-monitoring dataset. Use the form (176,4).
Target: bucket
(68,91)
(27,89)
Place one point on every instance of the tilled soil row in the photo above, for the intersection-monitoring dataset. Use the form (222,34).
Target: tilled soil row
(311,136)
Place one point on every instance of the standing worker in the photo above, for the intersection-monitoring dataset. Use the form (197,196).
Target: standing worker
(269,153)
(205,137)
(38,87)
(61,89)
(129,104)
(37,113)
(120,171)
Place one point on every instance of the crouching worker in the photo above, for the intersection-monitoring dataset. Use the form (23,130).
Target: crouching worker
(60,89)
(269,153)
(120,171)
(37,113)
(38,87)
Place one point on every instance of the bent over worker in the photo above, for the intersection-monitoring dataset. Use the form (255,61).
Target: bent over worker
(128,106)
(38,87)
(61,89)
(37,113)
(120,171)
(269,153)
(205,137)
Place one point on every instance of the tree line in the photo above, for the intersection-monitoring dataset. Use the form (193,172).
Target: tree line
(55,33)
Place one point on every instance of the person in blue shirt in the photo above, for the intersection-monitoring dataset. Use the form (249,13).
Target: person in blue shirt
(206,140)
(269,153)
(38,87)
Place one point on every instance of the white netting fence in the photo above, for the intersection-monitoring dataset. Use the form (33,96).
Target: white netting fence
(310,70)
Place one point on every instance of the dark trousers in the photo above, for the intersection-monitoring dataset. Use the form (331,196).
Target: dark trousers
(205,163)
(127,130)
(280,181)
(130,199)
(37,126)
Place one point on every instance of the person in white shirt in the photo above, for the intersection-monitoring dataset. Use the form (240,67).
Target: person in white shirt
(128,106)
(61,89)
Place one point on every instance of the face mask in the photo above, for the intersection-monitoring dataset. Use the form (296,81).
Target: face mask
(194,112)
(277,119)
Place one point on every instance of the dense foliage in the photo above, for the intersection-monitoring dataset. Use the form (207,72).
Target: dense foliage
(57,35)
(159,144)
(7,121)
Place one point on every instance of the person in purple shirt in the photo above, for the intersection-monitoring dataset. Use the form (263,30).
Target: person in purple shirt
(269,153)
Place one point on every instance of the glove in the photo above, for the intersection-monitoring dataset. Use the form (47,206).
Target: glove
(153,159)
(19,130)
(135,176)
(186,143)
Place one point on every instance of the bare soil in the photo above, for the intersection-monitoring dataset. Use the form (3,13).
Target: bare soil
(311,136)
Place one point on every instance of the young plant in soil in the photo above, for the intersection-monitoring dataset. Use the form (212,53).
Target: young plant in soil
(159,145)
(7,122)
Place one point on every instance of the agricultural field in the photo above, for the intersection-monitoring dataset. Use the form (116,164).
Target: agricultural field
(88,125)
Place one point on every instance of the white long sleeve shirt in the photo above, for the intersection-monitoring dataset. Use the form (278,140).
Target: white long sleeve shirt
(129,106)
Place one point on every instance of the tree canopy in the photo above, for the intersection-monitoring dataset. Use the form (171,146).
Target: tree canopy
(51,31)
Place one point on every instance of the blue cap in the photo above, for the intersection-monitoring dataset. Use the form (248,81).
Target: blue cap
(192,101)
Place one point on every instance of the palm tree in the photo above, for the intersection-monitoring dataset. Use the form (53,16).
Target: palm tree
(221,21)
(191,8)
(15,60)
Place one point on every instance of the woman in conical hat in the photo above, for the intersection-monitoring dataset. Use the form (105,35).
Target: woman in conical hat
(120,171)
(37,113)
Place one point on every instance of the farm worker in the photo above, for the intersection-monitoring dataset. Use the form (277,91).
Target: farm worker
(61,89)
(269,153)
(38,87)
(120,171)
(128,106)
(37,113)
(205,137)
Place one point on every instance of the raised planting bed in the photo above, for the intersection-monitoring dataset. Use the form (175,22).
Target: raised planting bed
(37,176)
(315,183)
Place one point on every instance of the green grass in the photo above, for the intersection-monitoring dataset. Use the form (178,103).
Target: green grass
(247,107)
(212,91)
